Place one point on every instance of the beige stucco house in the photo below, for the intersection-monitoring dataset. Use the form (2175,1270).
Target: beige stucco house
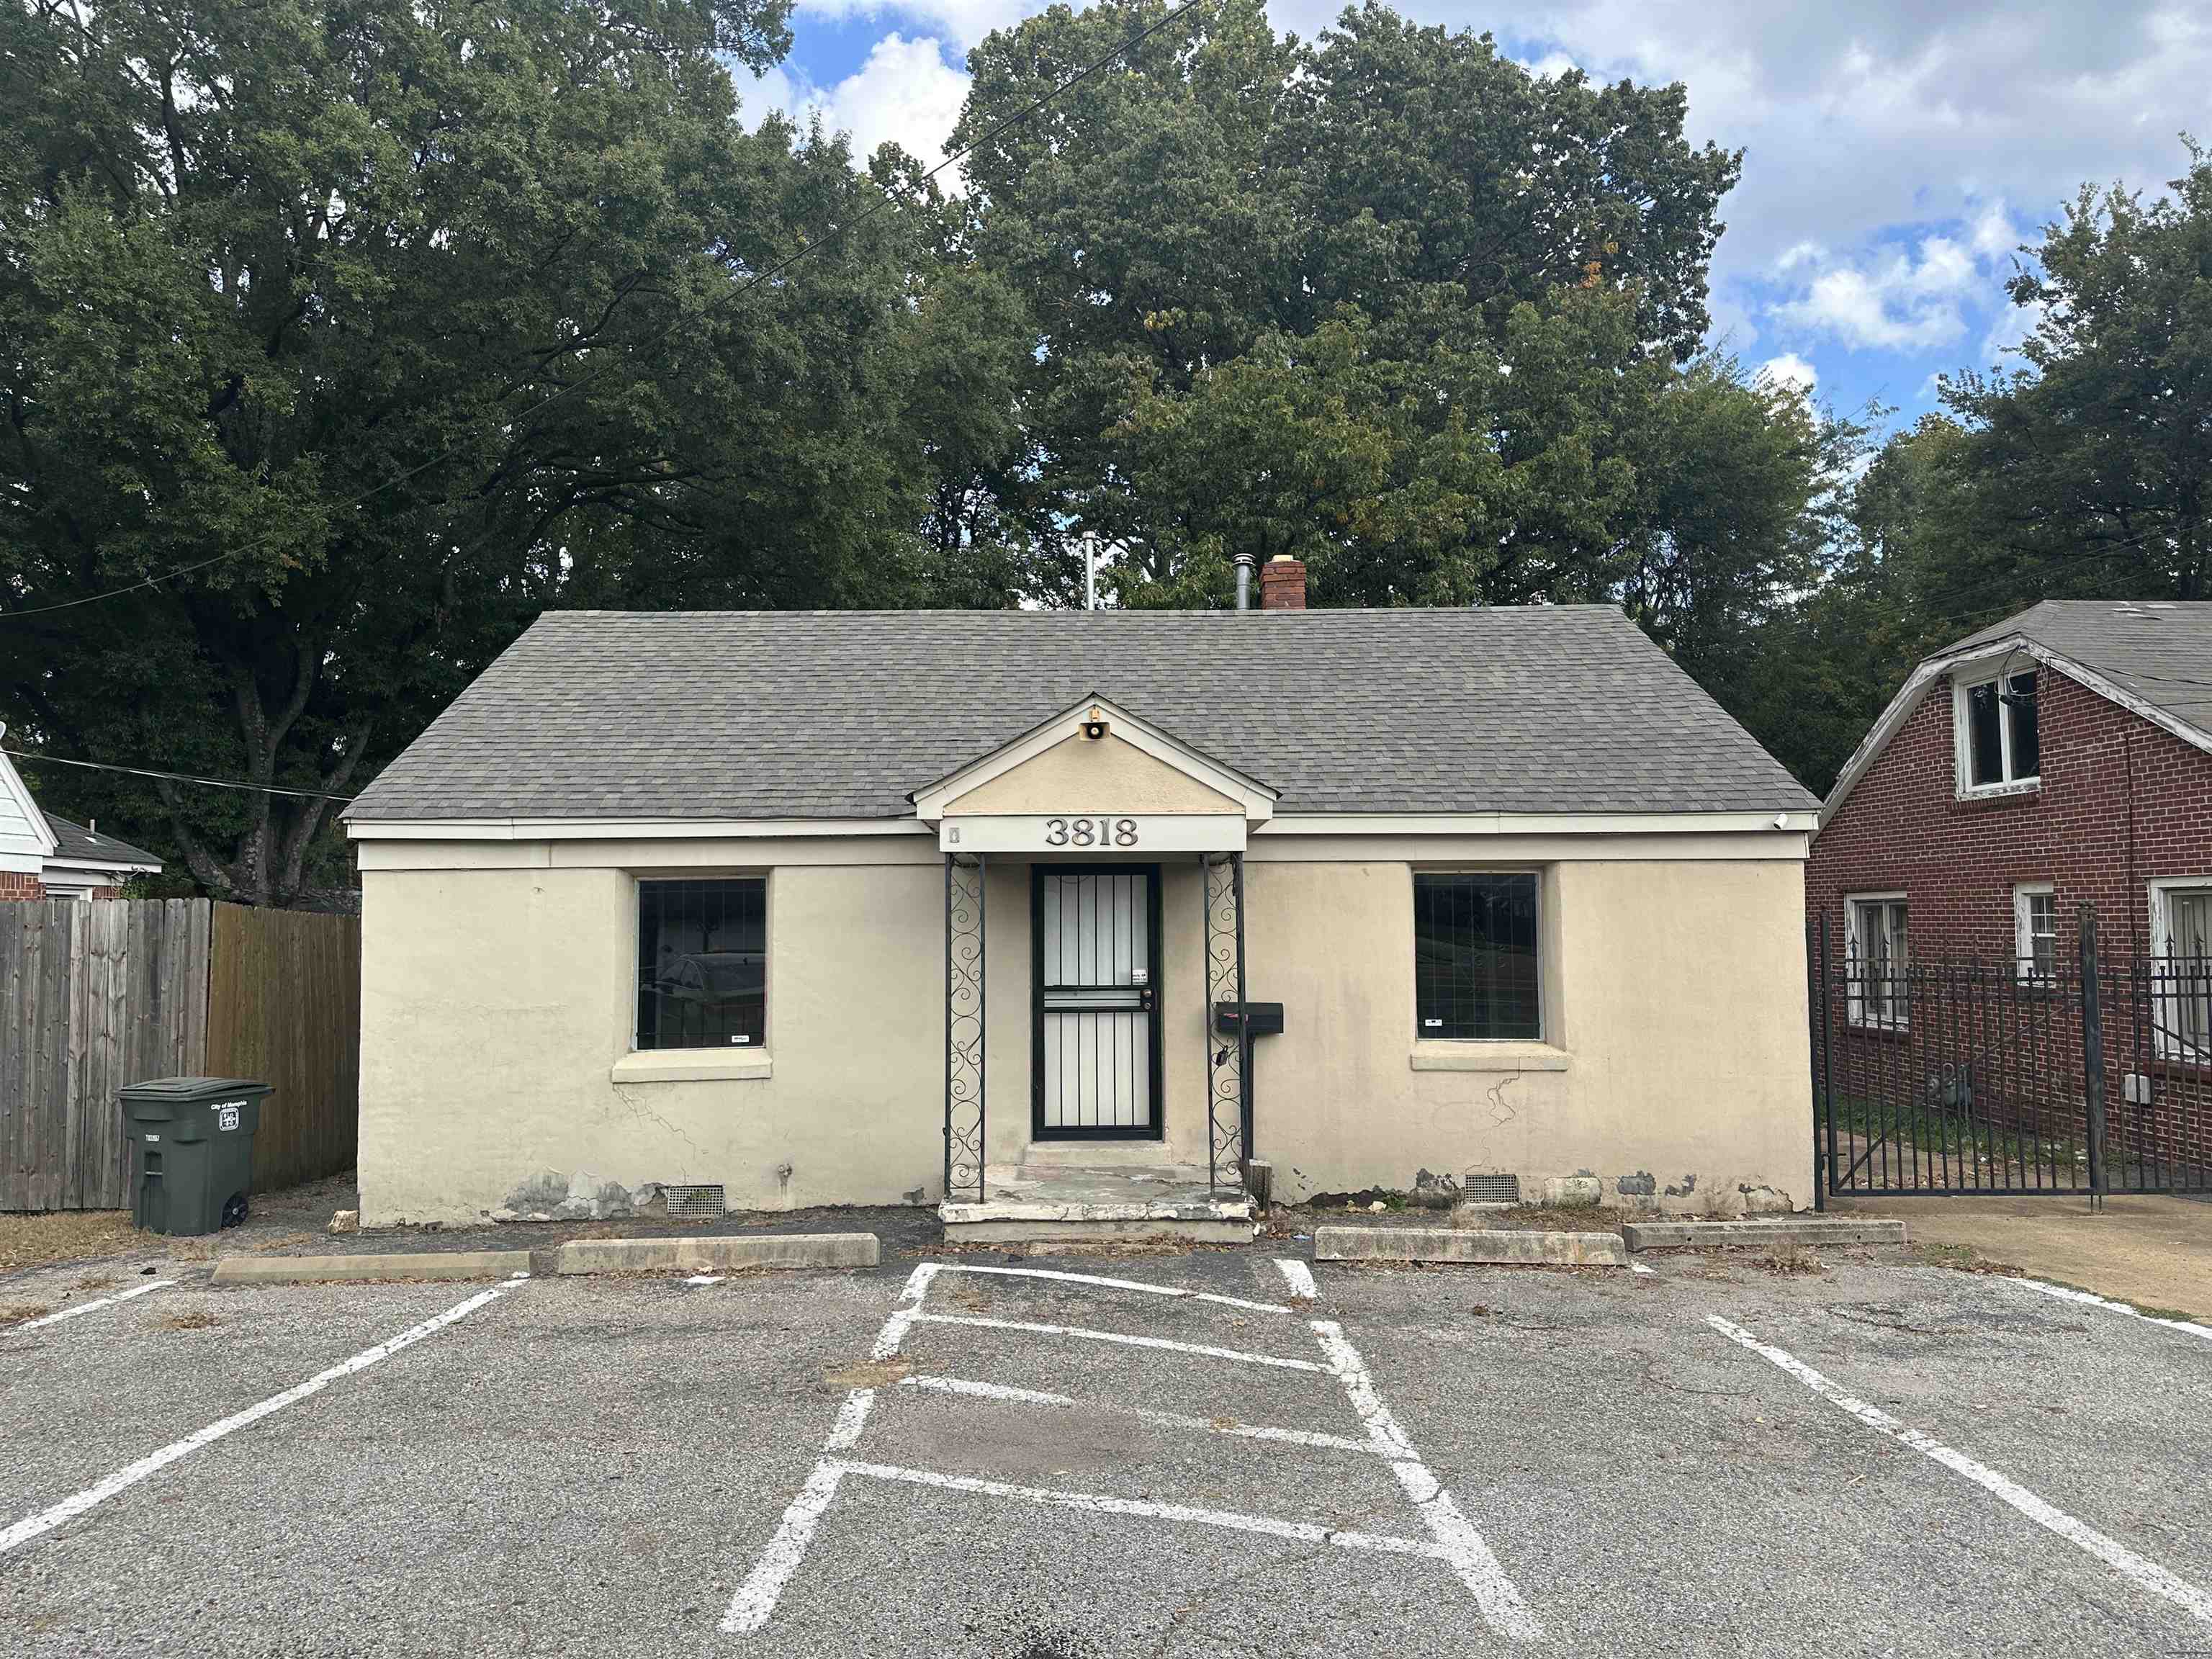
(1025,913)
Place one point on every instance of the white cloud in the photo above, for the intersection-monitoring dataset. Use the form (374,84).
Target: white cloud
(905,93)
(1903,304)
(1789,370)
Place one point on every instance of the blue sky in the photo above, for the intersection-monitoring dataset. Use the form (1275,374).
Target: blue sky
(1897,151)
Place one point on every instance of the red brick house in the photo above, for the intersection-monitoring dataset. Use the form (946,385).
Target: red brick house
(2063,757)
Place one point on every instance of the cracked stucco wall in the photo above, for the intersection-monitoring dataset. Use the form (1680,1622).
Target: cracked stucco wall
(497,1000)
(495,1003)
(1674,996)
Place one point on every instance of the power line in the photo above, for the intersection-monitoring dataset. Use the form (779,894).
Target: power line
(173,777)
(835,235)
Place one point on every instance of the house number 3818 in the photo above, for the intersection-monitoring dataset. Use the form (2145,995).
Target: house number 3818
(1091,832)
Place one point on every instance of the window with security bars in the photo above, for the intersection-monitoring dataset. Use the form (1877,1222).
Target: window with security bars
(2181,942)
(702,963)
(1878,958)
(1475,969)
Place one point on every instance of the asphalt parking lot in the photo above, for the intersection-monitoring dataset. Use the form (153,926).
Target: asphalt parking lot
(941,1458)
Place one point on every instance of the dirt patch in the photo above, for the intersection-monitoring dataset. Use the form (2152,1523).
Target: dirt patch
(192,1319)
(38,1240)
(14,1313)
(871,1373)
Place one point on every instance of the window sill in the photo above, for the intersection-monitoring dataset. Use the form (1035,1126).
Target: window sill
(1443,1054)
(689,1066)
(2000,791)
(1879,1028)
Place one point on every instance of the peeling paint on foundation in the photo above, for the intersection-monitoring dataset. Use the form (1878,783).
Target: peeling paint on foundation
(1689,1186)
(550,1195)
(1642,1184)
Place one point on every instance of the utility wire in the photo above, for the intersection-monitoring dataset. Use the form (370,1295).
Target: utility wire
(173,777)
(835,234)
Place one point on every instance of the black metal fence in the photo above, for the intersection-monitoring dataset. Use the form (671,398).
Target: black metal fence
(2074,1073)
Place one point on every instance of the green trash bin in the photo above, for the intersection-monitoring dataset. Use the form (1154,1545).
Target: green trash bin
(191,1161)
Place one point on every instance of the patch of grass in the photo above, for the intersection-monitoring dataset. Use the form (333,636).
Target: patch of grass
(38,1240)
(1791,1258)
(1939,1133)
(14,1313)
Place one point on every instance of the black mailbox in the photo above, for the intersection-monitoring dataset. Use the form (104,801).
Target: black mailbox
(1253,1018)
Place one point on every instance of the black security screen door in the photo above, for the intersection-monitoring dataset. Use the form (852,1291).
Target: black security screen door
(1096,1035)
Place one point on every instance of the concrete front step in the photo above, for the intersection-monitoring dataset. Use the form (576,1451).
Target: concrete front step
(1099,1232)
(1074,1203)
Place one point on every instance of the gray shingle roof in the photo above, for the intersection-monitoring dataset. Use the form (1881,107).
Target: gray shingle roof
(75,844)
(2159,651)
(795,714)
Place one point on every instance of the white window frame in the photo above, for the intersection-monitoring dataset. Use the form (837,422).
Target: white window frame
(1854,905)
(1963,683)
(2024,895)
(2170,1043)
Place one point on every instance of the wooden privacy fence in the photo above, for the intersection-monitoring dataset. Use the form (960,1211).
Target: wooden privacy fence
(94,995)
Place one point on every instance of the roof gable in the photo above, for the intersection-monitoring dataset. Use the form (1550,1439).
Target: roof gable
(1095,745)
(25,838)
(2174,702)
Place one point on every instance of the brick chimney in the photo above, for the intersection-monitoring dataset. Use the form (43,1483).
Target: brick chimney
(1283,584)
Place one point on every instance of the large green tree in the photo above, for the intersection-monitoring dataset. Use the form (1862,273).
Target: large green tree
(1386,300)
(389,324)
(2088,468)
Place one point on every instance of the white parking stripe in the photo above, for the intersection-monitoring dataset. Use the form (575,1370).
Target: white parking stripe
(1089,1335)
(69,1508)
(1101,1504)
(751,1608)
(2093,1301)
(1117,1284)
(1458,1541)
(89,1307)
(961,1385)
(1299,1278)
(2147,1575)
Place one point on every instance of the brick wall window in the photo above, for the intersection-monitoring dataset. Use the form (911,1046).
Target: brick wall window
(2035,932)
(2181,942)
(1999,742)
(1877,957)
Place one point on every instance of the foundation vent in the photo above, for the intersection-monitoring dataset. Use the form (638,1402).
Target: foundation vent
(694,1203)
(1486,1190)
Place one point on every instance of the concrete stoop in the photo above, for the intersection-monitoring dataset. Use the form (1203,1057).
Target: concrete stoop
(1059,1204)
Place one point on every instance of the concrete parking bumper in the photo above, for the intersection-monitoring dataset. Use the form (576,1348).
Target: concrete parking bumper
(1803,1230)
(718,1254)
(370,1268)
(1508,1246)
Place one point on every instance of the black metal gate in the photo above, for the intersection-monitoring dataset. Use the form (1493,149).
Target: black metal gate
(2074,1074)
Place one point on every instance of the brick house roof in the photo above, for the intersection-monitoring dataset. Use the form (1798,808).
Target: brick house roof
(2153,657)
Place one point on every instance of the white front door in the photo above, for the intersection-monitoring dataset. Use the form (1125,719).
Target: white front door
(1096,996)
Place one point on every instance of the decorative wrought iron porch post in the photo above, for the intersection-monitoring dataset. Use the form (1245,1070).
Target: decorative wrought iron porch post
(1228,1058)
(964,1024)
